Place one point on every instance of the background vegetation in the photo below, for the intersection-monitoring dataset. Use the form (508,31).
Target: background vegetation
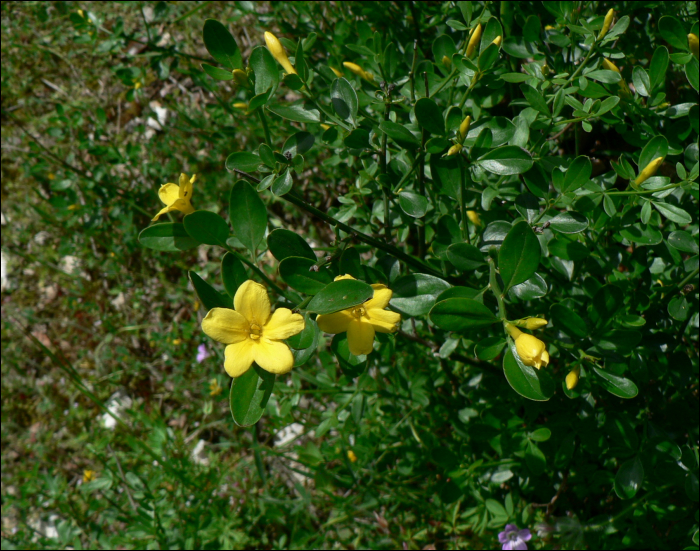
(426,444)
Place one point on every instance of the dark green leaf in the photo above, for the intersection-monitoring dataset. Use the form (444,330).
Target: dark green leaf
(568,222)
(243,161)
(506,160)
(351,365)
(168,237)
(305,338)
(641,81)
(429,116)
(578,173)
(206,227)
(247,214)
(629,478)
(216,72)
(642,234)
(233,274)
(604,76)
(535,287)
(461,314)
(298,112)
(300,274)
(447,172)
(673,213)
(465,257)
(413,204)
(673,32)
(533,384)
(283,183)
(656,147)
(679,308)
(285,243)
(415,294)
(221,45)
(535,99)
(298,144)
(567,249)
(357,139)
(568,321)
(683,241)
(340,295)
(210,297)
(519,255)
(616,385)
(344,100)
(399,134)
(489,348)
(658,66)
(249,395)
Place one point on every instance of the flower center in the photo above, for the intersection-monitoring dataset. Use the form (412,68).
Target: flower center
(513,536)
(255,331)
(359,312)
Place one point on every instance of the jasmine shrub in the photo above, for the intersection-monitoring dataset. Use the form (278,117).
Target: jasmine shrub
(444,257)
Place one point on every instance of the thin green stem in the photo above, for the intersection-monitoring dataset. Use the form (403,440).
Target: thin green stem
(644,191)
(496,290)
(463,200)
(382,170)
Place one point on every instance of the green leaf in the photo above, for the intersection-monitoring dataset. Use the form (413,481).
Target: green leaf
(283,183)
(540,435)
(533,384)
(692,73)
(673,213)
(413,204)
(578,173)
(568,222)
(488,57)
(167,237)
(629,478)
(506,160)
(210,297)
(679,308)
(567,249)
(216,72)
(656,147)
(344,100)
(303,355)
(429,116)
(221,45)
(351,365)
(296,112)
(641,81)
(673,32)
(642,234)
(465,257)
(298,143)
(568,321)
(206,227)
(340,295)
(357,139)
(415,294)
(535,459)
(233,273)
(616,385)
(683,241)
(461,314)
(299,273)
(402,136)
(519,255)
(285,243)
(264,66)
(658,66)
(489,348)
(247,214)
(249,395)
(528,206)
(447,172)
(305,338)
(243,161)
(302,68)
(605,76)
(535,99)
(535,287)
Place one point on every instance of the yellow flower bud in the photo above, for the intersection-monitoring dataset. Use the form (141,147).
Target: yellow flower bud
(497,41)
(531,323)
(572,378)
(474,217)
(359,71)
(464,128)
(240,105)
(325,126)
(693,44)
(606,24)
(278,52)
(456,148)
(649,170)
(447,62)
(337,72)
(240,77)
(351,456)
(610,66)
(545,70)
(81,13)
(474,40)
(531,350)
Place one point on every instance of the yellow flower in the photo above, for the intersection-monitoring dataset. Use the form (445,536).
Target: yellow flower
(474,40)
(351,456)
(531,323)
(214,388)
(532,351)
(649,170)
(177,197)
(464,128)
(88,476)
(363,320)
(474,217)
(497,41)
(359,71)
(693,45)
(278,52)
(572,378)
(251,333)
(606,23)
(456,148)
(177,342)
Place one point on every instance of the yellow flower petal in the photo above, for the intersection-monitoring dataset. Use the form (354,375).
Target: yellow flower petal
(161,212)
(381,298)
(239,357)
(169,193)
(225,325)
(185,190)
(335,323)
(273,356)
(346,276)
(251,301)
(384,321)
(360,337)
(283,324)
(183,205)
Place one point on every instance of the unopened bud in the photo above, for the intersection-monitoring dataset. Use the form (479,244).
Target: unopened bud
(606,24)
(610,66)
(474,40)
(464,128)
(240,77)
(693,44)
(279,53)
(359,71)
(573,376)
(447,62)
(337,72)
(474,217)
(456,148)
(649,170)
(531,323)
(497,41)
(240,105)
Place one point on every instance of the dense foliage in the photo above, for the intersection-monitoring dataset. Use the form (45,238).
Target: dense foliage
(518,180)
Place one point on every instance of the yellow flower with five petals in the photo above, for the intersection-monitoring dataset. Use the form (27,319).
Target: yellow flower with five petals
(362,321)
(251,333)
(532,351)
(177,197)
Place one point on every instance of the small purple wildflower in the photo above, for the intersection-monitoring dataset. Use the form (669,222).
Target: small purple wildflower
(514,538)
(202,353)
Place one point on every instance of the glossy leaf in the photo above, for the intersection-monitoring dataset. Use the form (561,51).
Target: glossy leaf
(429,116)
(233,274)
(299,273)
(533,384)
(629,478)
(296,112)
(249,395)
(285,243)
(506,160)
(206,227)
(465,257)
(616,385)
(340,295)
(344,99)
(247,214)
(221,45)
(399,134)
(519,256)
(210,297)
(568,222)
(167,237)
(243,161)
(461,314)
(413,204)
(415,294)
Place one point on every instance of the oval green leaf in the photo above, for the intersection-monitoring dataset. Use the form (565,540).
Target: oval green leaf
(519,255)
(167,237)
(247,214)
(340,295)
(461,314)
